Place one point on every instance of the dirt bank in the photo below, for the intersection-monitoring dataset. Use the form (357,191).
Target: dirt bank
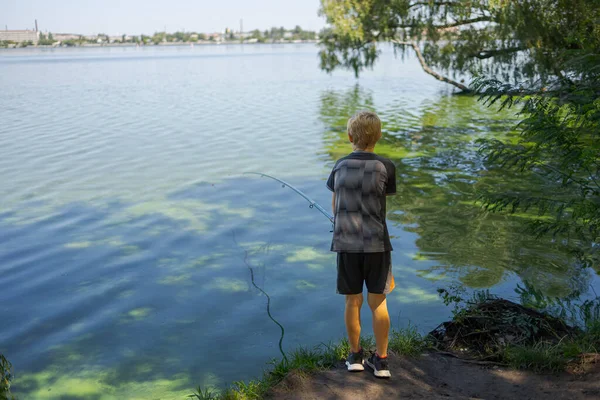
(435,376)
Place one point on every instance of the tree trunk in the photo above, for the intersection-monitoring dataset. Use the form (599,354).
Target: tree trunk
(429,70)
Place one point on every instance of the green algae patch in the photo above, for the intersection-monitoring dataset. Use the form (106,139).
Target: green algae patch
(413,295)
(90,383)
(228,285)
(305,285)
(137,314)
(78,245)
(309,254)
(183,279)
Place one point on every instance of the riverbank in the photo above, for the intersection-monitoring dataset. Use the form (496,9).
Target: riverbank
(167,44)
(434,376)
(516,352)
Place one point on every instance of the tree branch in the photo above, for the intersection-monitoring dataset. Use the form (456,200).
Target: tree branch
(436,3)
(427,69)
(464,22)
(450,24)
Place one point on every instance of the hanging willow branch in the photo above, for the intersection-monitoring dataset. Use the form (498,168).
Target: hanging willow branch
(426,67)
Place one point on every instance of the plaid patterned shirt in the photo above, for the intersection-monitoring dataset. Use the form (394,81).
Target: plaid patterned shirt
(360,181)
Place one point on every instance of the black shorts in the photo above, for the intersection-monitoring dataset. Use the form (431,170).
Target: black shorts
(373,268)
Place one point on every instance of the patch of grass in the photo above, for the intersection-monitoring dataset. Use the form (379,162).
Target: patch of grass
(539,357)
(407,341)
(543,334)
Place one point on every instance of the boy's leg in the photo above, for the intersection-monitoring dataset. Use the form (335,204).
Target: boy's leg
(352,318)
(350,283)
(380,282)
(381,321)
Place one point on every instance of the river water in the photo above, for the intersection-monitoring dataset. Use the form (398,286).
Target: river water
(127,225)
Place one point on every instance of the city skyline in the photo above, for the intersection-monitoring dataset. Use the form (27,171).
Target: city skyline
(146,17)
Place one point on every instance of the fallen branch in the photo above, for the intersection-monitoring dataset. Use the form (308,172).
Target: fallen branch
(427,69)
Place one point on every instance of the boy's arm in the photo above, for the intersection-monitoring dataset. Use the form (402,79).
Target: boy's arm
(333,204)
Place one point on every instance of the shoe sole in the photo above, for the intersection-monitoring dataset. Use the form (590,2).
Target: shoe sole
(355,367)
(385,374)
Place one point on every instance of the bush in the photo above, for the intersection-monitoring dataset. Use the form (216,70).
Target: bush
(5,378)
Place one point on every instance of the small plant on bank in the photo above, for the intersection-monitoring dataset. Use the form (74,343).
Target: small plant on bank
(544,335)
(538,358)
(204,394)
(5,378)
(407,341)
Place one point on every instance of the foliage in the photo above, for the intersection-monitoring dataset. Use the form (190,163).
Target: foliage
(539,357)
(5,378)
(434,148)
(46,40)
(558,141)
(524,337)
(584,314)
(542,56)
(507,39)
(176,37)
(544,356)
(407,341)
(204,394)
(70,43)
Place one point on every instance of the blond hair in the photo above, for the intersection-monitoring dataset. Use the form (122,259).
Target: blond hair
(365,129)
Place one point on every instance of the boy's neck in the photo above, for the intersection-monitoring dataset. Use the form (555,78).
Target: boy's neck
(367,150)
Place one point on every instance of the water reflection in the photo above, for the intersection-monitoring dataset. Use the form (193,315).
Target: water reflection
(128,302)
(433,145)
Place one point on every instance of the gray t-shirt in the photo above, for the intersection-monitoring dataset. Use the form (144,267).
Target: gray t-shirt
(360,181)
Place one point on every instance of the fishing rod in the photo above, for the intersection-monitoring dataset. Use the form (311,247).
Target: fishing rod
(313,204)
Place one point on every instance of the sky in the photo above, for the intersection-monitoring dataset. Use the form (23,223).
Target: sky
(116,17)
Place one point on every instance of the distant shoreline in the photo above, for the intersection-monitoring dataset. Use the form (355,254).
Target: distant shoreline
(168,44)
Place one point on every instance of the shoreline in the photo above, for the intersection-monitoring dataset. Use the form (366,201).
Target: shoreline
(177,44)
(486,348)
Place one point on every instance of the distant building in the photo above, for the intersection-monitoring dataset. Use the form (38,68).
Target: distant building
(20,36)
(65,36)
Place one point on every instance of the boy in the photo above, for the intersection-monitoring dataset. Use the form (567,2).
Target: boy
(360,182)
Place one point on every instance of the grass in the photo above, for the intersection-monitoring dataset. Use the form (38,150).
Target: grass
(408,342)
(305,361)
(548,357)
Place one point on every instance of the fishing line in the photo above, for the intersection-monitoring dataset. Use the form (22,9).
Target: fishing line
(312,204)
(251,269)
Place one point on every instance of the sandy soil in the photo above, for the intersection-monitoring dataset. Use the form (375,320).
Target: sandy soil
(435,376)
